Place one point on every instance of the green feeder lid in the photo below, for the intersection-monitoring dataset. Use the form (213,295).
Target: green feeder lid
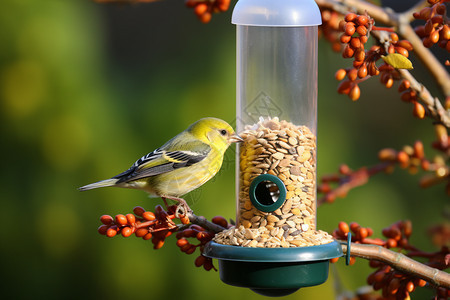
(294,254)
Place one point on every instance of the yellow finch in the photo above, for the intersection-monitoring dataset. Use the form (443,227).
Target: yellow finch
(179,166)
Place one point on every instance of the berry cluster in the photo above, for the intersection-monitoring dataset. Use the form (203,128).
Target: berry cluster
(436,29)
(413,158)
(394,284)
(159,225)
(204,9)
(364,64)
(203,236)
(356,29)
(156,226)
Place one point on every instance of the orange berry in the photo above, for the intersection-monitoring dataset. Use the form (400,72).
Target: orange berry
(393,286)
(437,20)
(352,74)
(340,74)
(355,42)
(354,227)
(391,243)
(354,93)
(441,9)
(410,287)
(112,231)
(445,32)
(205,18)
(219,220)
(149,216)
(356,64)
(360,54)
(404,85)
(334,260)
(403,159)
(372,69)
(434,37)
(363,39)
(102,229)
(350,17)
(362,71)
(131,219)
(200,8)
(208,265)
(189,232)
(141,232)
(405,44)
(126,231)
(406,96)
(349,28)
(418,150)
(389,83)
(363,233)
(147,236)
(420,282)
(121,220)
(391,49)
(138,211)
(185,220)
(361,30)
(106,219)
(190,250)
(200,260)
(418,110)
(345,38)
(362,20)
(352,260)
(402,51)
(425,13)
(387,154)
(394,37)
(429,27)
(343,227)
(420,31)
(223,5)
(344,87)
(157,244)
(348,51)
(181,242)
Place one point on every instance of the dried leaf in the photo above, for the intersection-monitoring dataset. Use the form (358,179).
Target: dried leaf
(397,61)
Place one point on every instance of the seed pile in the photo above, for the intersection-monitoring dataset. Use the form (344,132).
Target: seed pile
(287,151)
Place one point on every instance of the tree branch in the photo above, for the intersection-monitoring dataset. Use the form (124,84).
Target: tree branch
(400,262)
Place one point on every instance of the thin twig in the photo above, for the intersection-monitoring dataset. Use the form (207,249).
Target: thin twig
(400,262)
(202,221)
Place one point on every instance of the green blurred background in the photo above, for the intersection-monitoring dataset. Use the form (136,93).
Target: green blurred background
(86,89)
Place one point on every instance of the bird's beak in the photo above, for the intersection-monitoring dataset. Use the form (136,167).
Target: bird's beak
(235,138)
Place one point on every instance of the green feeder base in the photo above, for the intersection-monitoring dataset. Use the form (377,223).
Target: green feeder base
(273,272)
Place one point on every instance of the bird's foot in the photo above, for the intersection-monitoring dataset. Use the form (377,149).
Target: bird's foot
(182,208)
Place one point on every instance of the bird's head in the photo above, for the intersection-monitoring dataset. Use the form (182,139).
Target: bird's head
(214,132)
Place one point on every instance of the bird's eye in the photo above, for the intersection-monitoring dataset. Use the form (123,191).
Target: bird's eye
(223,132)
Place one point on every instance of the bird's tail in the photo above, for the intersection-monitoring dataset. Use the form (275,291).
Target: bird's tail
(99,184)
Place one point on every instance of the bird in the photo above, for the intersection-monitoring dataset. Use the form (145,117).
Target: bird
(181,165)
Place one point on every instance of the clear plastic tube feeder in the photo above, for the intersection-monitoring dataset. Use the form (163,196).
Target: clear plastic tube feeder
(275,247)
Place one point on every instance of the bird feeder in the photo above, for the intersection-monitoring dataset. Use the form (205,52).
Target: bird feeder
(275,247)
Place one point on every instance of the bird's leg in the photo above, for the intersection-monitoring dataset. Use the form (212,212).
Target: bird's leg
(165,202)
(182,208)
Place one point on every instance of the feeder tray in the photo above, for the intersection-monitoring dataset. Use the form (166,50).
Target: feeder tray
(273,271)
